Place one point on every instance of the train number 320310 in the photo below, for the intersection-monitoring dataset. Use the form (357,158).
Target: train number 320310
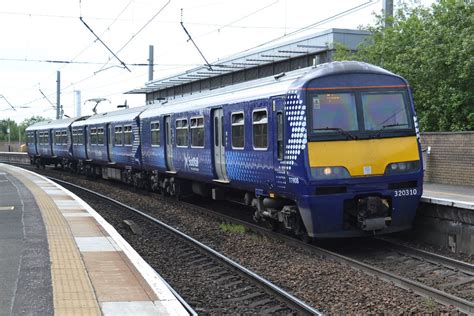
(405,192)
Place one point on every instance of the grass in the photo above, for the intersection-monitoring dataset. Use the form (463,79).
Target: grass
(232,228)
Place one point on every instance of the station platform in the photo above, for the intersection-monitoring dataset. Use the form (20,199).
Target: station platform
(59,257)
(449,195)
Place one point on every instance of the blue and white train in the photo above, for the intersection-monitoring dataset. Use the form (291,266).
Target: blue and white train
(326,151)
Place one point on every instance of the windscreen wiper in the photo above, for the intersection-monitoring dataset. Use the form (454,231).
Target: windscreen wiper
(378,132)
(338,129)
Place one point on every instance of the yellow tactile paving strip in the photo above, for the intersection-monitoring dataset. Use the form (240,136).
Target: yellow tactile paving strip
(85,274)
(72,289)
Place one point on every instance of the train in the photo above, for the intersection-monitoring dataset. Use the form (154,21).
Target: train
(326,151)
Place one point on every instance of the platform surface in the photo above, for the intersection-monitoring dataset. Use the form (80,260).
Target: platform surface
(58,256)
(450,195)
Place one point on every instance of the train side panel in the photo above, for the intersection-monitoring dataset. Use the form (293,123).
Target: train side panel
(249,160)
(123,143)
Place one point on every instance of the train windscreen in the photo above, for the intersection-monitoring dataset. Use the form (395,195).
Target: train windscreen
(359,114)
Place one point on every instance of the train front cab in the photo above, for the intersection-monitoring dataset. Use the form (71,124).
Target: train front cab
(363,156)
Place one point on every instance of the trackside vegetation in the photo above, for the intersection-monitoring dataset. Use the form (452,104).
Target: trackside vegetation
(433,48)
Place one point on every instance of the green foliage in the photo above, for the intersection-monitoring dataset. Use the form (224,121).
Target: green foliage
(433,48)
(232,228)
(17,130)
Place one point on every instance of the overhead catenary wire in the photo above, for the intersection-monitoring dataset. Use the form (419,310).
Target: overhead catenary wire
(101,34)
(138,32)
(194,43)
(339,15)
(47,99)
(105,45)
(8,102)
(323,21)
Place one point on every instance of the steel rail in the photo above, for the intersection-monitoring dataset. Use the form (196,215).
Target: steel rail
(270,287)
(444,298)
(451,263)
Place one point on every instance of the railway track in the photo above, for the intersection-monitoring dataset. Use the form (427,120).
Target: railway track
(443,279)
(236,289)
(339,254)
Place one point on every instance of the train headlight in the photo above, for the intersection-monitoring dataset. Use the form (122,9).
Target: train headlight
(402,167)
(326,173)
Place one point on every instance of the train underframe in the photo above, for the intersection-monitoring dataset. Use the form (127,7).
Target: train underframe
(277,213)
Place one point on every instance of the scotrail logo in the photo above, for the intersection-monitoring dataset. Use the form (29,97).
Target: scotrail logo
(191,163)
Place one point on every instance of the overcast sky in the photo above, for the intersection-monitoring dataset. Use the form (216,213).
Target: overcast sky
(34,32)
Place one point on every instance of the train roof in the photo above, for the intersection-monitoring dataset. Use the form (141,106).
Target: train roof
(245,91)
(262,88)
(115,116)
(345,67)
(49,124)
(250,90)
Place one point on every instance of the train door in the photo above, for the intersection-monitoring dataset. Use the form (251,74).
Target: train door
(108,139)
(35,135)
(52,140)
(169,144)
(219,145)
(278,141)
(86,141)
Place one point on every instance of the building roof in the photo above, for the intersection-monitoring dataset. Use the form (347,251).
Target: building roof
(268,53)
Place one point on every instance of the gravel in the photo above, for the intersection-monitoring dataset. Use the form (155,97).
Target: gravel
(329,286)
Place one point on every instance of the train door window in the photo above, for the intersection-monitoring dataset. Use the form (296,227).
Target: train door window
(93,136)
(238,130)
(118,136)
(100,136)
(216,126)
(182,133)
(168,133)
(127,135)
(155,133)
(279,126)
(260,129)
(197,132)
(57,134)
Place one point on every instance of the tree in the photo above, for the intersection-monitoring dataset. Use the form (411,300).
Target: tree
(433,48)
(17,130)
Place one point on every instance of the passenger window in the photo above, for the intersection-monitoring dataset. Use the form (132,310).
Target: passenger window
(80,137)
(260,129)
(279,122)
(64,137)
(182,133)
(118,136)
(127,134)
(74,137)
(100,136)
(155,133)
(93,136)
(238,131)
(197,132)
